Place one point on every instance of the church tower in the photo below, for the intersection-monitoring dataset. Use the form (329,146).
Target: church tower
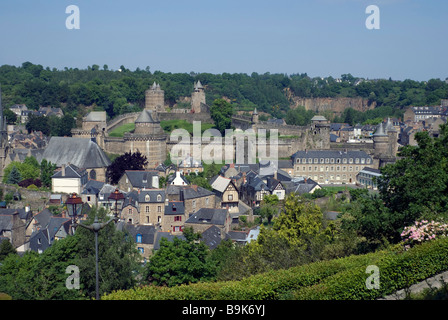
(197,97)
(3,138)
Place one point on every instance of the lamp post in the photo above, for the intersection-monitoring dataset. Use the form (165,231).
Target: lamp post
(72,202)
(117,196)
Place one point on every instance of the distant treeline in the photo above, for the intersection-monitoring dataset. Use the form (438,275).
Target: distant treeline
(121,91)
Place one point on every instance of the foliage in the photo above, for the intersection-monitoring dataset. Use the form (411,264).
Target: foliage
(335,279)
(221,112)
(299,116)
(14,176)
(416,186)
(179,262)
(423,231)
(28,169)
(51,125)
(6,248)
(28,182)
(46,172)
(269,207)
(118,257)
(127,161)
(119,92)
(43,276)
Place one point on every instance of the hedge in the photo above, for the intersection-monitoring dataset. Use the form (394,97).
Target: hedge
(396,271)
(343,278)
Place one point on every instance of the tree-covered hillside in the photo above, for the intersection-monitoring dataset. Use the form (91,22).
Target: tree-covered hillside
(121,91)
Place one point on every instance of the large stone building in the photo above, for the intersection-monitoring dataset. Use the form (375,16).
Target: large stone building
(331,166)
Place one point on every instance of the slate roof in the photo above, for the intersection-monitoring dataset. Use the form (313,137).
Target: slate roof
(211,237)
(141,178)
(175,208)
(5,222)
(23,214)
(96,116)
(147,232)
(71,171)
(93,187)
(330,154)
(145,117)
(208,216)
(82,152)
(165,235)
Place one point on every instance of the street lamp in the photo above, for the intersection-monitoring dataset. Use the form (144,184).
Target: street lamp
(72,202)
(96,227)
(117,196)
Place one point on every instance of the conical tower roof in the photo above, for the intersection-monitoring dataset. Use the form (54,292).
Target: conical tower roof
(146,117)
(389,126)
(379,131)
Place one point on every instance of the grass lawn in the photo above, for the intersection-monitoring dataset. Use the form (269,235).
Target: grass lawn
(119,131)
(170,125)
(167,126)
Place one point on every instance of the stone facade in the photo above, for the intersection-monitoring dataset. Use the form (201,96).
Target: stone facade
(155,98)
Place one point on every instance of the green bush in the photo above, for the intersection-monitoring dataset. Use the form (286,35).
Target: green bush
(271,285)
(397,271)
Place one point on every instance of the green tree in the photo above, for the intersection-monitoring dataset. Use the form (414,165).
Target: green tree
(180,261)
(6,248)
(117,253)
(46,172)
(416,186)
(14,176)
(221,112)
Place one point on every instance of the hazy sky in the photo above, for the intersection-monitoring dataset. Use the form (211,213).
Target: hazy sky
(319,37)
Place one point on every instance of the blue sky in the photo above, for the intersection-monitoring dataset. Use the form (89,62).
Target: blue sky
(319,37)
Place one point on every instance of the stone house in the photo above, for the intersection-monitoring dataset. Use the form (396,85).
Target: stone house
(69,179)
(143,236)
(204,218)
(139,180)
(276,187)
(174,217)
(227,195)
(144,207)
(12,228)
(193,197)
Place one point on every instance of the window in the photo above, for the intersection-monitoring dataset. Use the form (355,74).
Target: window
(363,160)
(304,160)
(316,160)
(159,198)
(206,201)
(159,219)
(321,160)
(147,198)
(159,208)
(350,160)
(344,160)
(357,160)
(327,160)
(194,204)
(142,251)
(138,238)
(88,198)
(368,161)
(130,211)
(178,218)
(147,209)
(147,219)
(230,197)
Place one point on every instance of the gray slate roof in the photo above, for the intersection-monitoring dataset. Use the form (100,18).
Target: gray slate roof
(146,117)
(330,154)
(208,216)
(141,179)
(83,153)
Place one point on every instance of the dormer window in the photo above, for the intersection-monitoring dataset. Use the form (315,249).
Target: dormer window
(147,198)
(159,198)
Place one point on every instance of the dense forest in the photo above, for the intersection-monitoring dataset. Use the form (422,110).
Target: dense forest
(121,91)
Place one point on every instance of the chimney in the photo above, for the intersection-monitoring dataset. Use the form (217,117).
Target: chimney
(195,187)
(275,174)
(63,170)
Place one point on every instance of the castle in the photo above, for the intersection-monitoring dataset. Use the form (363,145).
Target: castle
(150,139)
